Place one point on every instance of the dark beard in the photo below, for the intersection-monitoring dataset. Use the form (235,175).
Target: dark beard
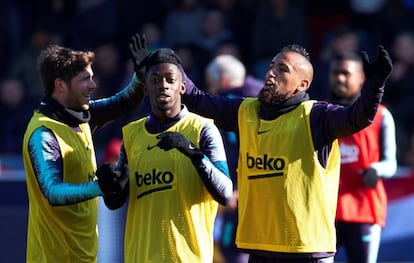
(268,96)
(272,111)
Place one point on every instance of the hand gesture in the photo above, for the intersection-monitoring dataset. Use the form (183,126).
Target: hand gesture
(123,179)
(111,179)
(170,140)
(377,72)
(138,51)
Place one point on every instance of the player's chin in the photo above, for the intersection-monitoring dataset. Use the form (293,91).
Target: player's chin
(264,95)
(85,106)
(163,106)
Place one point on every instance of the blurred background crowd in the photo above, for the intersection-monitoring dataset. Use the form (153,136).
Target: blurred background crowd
(199,30)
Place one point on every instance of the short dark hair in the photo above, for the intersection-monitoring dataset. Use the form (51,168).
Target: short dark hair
(60,62)
(296,48)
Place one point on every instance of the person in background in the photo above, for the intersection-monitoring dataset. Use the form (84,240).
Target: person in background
(23,66)
(366,157)
(59,157)
(227,75)
(214,30)
(15,112)
(179,173)
(336,41)
(289,159)
(400,101)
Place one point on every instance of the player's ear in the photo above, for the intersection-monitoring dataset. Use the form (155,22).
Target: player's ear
(183,87)
(304,85)
(59,85)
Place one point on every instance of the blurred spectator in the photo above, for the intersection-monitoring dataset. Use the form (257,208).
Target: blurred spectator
(193,60)
(133,15)
(364,14)
(239,16)
(183,24)
(401,99)
(12,31)
(94,21)
(25,65)
(228,47)
(396,17)
(227,75)
(153,35)
(214,30)
(109,73)
(342,39)
(277,23)
(231,12)
(15,110)
(56,14)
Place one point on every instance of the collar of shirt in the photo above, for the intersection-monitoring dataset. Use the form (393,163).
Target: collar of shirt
(154,125)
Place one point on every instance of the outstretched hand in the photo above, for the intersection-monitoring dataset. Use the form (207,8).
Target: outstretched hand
(377,72)
(138,51)
(170,140)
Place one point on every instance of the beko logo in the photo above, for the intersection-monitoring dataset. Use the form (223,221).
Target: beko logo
(349,153)
(275,165)
(161,180)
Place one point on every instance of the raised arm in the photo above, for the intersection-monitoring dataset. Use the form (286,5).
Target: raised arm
(108,109)
(334,121)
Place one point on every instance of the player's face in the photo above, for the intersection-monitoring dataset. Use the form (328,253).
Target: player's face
(346,78)
(164,86)
(285,78)
(79,90)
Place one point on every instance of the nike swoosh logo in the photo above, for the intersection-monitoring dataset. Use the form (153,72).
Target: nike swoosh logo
(260,132)
(151,147)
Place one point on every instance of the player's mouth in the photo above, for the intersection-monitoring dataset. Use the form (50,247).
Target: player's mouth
(163,98)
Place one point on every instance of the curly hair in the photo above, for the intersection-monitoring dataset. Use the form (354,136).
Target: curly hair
(61,62)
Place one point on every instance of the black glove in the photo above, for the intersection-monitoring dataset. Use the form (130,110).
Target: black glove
(377,72)
(370,177)
(123,179)
(138,51)
(169,140)
(111,179)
